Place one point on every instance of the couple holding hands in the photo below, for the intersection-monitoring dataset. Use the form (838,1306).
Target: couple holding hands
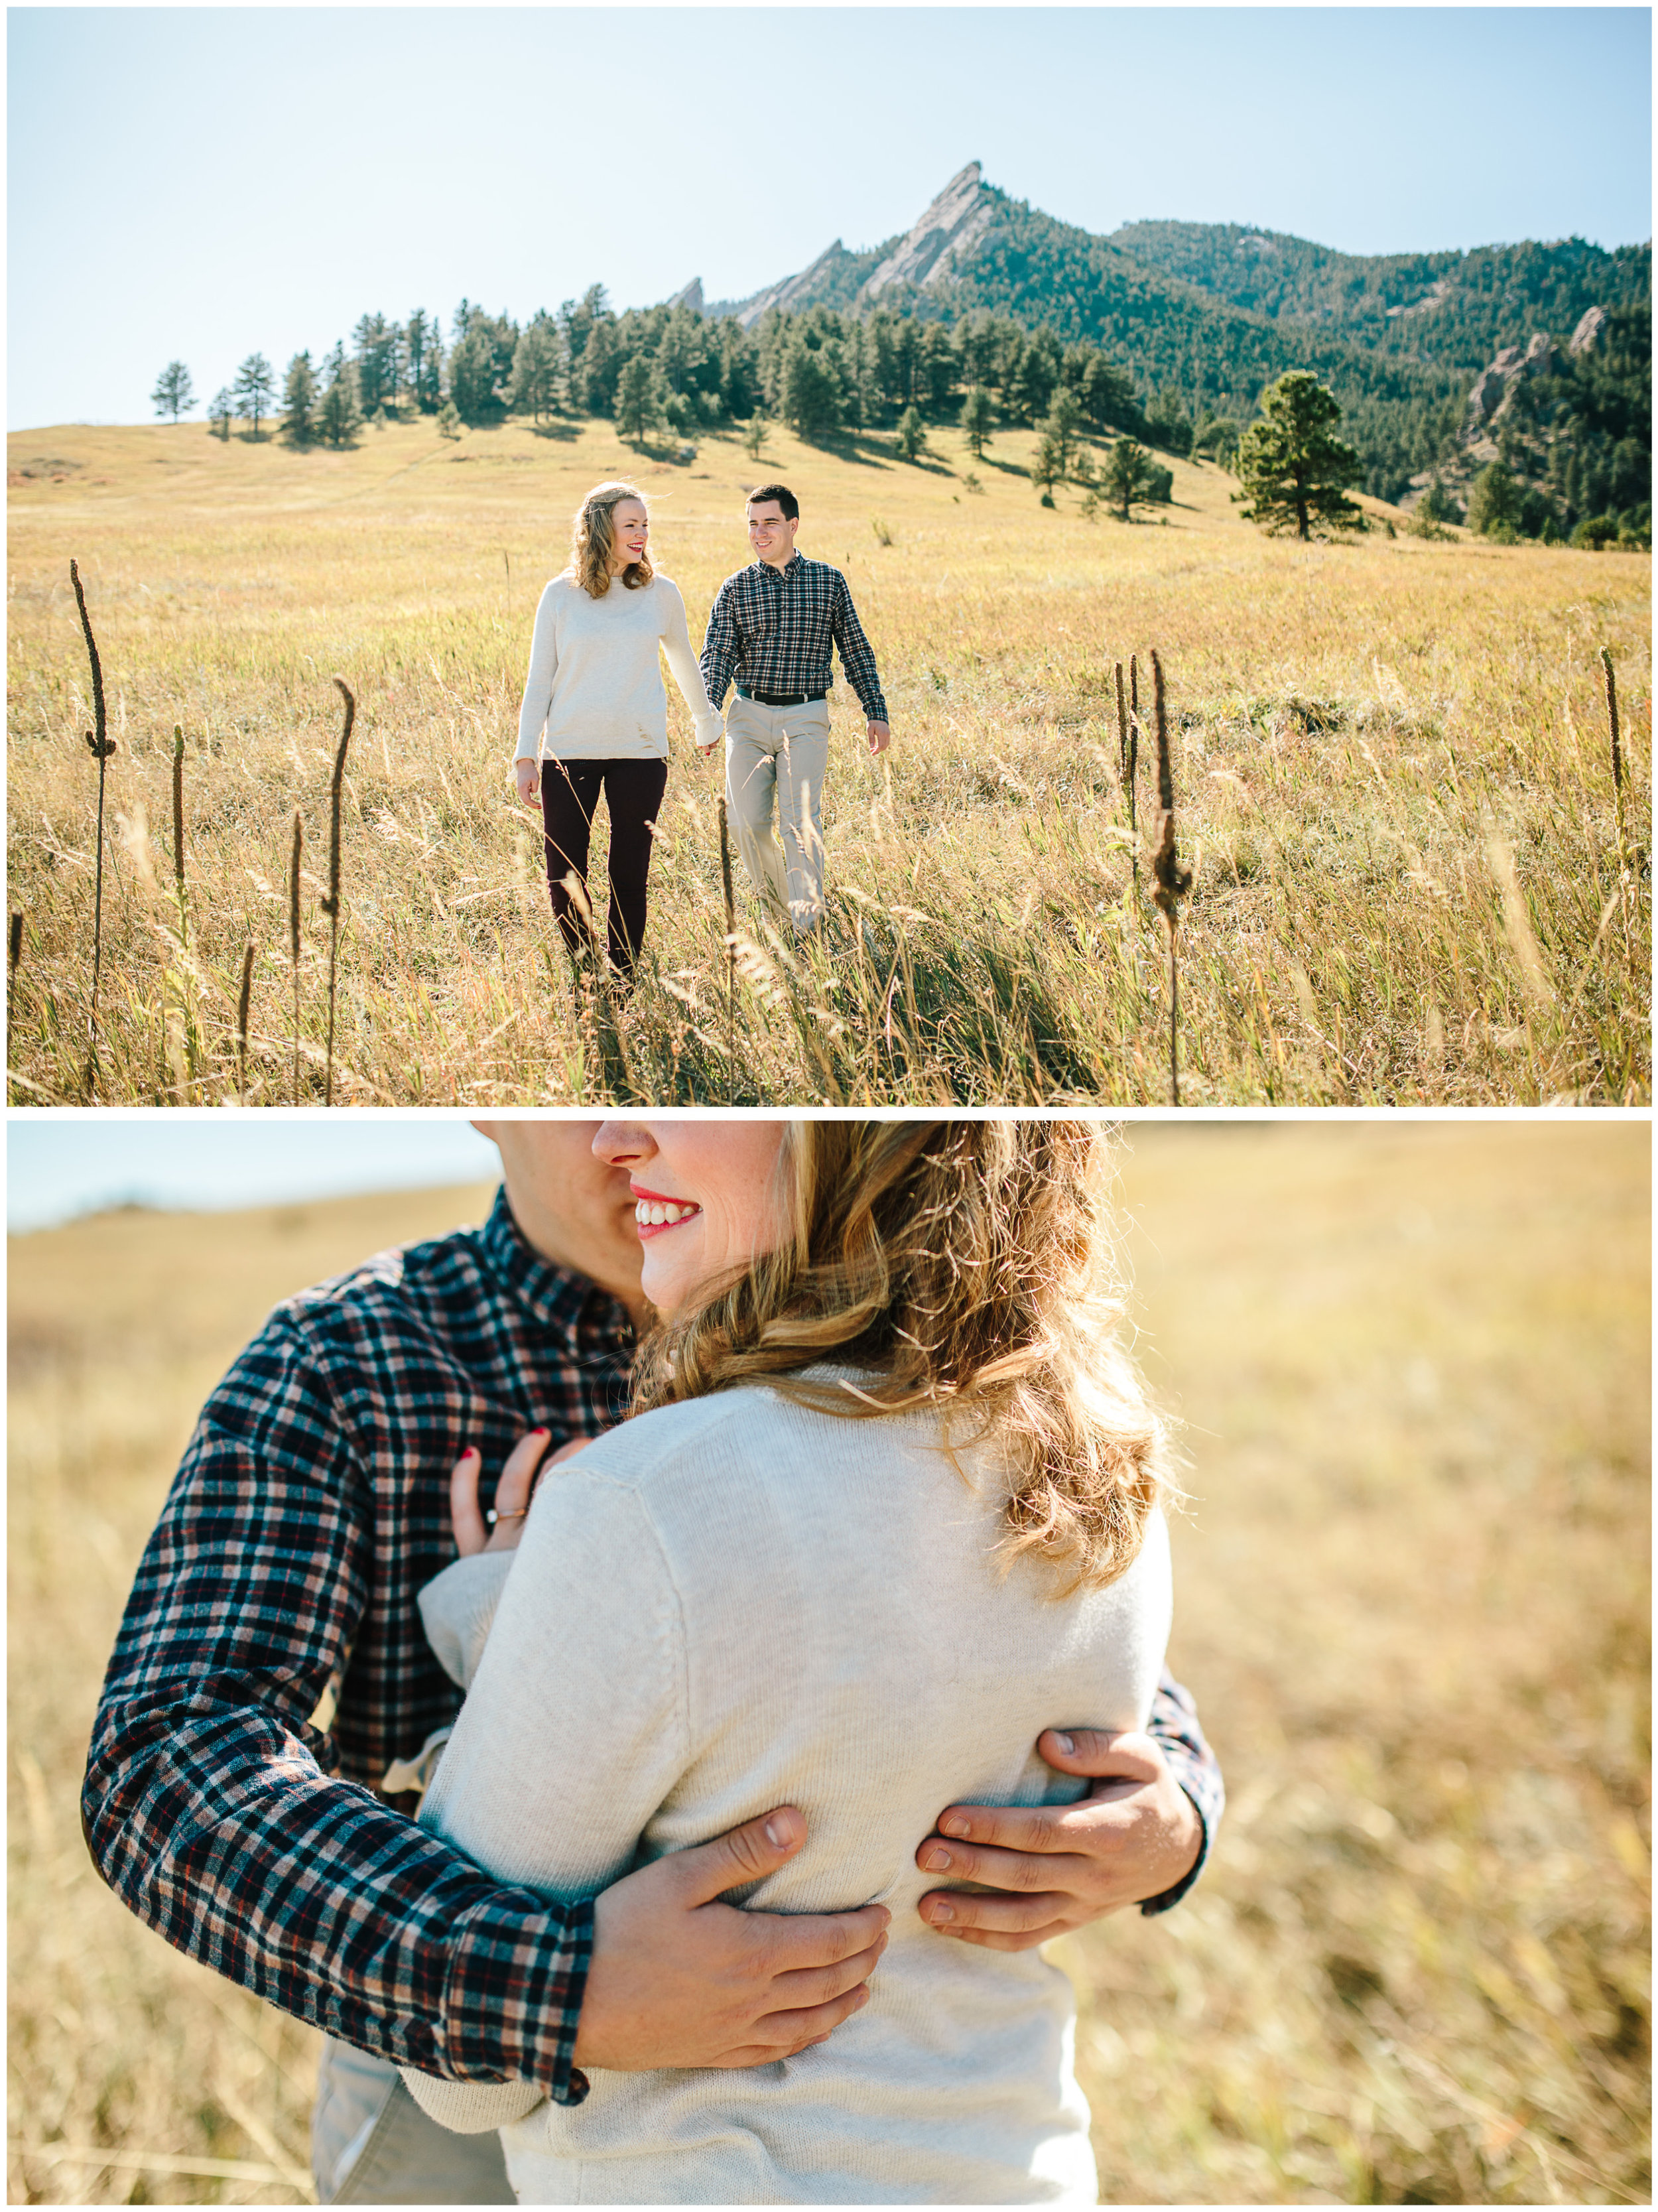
(843,1601)
(594,716)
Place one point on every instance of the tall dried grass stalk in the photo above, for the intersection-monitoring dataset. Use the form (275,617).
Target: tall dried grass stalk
(1134,765)
(242,1002)
(330,905)
(293,937)
(178,817)
(1611,724)
(730,949)
(1172,881)
(101,746)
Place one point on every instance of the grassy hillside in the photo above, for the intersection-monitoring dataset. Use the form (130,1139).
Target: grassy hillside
(1392,779)
(1412,1602)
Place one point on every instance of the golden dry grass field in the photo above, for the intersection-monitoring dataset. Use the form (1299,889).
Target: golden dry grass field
(1412,1601)
(1413,883)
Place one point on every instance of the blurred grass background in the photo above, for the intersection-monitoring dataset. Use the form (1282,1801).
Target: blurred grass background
(1412,1600)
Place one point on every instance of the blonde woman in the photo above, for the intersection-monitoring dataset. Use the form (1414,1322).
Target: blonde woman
(890,1502)
(595,716)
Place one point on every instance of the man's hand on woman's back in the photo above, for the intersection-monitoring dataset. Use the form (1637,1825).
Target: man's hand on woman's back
(1136,1835)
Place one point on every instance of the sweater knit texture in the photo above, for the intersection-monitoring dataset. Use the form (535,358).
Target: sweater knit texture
(740,1602)
(594,689)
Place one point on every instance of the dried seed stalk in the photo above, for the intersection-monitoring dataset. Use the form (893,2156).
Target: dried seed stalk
(330,904)
(242,1003)
(730,950)
(1612,723)
(100,745)
(1172,881)
(178,817)
(294,937)
(1134,760)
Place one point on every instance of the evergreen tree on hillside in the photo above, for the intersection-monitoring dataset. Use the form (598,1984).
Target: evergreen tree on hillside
(1293,468)
(339,415)
(1062,425)
(254,388)
(423,354)
(1107,394)
(810,397)
(912,433)
(472,374)
(221,413)
(374,345)
(300,401)
(641,397)
(537,363)
(173,391)
(1495,503)
(1127,479)
(977,419)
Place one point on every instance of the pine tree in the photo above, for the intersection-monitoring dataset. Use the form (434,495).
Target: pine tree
(1494,503)
(1047,469)
(641,397)
(536,364)
(912,433)
(173,392)
(1126,477)
(254,388)
(976,419)
(810,400)
(222,412)
(1062,424)
(300,401)
(339,417)
(1292,467)
(472,372)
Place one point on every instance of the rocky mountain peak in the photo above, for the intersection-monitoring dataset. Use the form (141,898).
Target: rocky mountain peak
(942,236)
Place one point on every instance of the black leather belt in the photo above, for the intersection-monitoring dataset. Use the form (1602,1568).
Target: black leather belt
(781,698)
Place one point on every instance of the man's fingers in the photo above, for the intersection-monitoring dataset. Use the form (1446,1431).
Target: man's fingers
(1008,1828)
(815,1985)
(465,1517)
(996,1939)
(1100,1751)
(798,1941)
(742,1855)
(955,1910)
(793,2031)
(1000,1869)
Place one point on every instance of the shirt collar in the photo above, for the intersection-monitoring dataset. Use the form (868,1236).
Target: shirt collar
(786,573)
(555,1296)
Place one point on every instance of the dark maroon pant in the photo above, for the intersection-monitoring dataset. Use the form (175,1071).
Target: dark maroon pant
(569,798)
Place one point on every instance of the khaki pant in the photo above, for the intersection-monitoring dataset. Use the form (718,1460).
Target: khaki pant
(372,2144)
(783,750)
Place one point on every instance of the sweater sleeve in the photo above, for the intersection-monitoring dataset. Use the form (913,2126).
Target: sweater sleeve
(687,674)
(538,683)
(576,1728)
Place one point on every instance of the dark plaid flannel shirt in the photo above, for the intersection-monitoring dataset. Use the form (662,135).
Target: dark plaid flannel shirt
(771,630)
(311,1506)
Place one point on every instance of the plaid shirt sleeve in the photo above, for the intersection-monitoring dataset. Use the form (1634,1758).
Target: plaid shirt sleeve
(1174,1725)
(720,644)
(212,1805)
(856,656)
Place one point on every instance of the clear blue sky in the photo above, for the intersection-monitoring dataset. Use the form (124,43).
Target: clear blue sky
(204,182)
(57,1169)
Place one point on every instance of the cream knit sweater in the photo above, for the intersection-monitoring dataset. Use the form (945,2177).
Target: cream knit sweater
(736,1603)
(594,689)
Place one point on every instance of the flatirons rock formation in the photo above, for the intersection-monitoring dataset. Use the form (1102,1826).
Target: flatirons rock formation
(942,238)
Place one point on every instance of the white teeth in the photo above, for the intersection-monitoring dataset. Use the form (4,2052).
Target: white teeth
(656,1214)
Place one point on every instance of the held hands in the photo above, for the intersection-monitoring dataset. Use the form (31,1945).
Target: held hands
(517,1485)
(1135,1835)
(526,773)
(880,737)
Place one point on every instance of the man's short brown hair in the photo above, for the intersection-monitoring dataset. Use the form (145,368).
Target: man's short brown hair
(785,498)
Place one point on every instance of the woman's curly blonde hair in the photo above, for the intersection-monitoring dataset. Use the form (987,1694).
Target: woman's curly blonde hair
(593,540)
(967,1266)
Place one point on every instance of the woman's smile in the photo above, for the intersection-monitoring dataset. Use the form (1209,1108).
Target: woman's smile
(654,1213)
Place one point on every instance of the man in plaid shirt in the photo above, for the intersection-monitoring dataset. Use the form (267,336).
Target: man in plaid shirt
(772,629)
(271,1687)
